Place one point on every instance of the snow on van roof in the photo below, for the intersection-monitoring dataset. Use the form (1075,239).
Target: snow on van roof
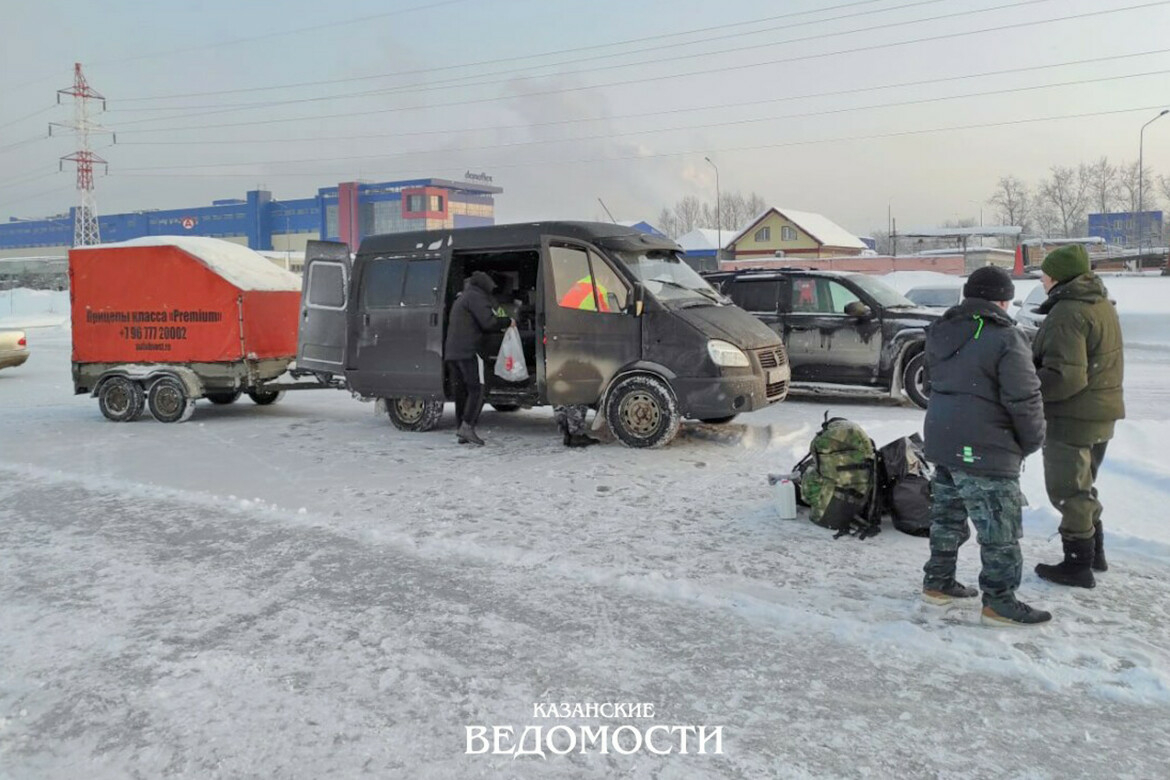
(244,268)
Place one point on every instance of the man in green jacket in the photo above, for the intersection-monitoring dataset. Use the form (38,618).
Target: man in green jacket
(1079,359)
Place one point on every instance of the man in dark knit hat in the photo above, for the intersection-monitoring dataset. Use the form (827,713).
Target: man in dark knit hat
(1078,353)
(985,416)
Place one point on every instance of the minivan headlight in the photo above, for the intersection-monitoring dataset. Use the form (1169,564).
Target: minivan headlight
(726,355)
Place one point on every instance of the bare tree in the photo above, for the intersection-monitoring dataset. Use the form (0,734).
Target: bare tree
(1066,194)
(1103,185)
(689,213)
(1012,201)
(668,224)
(1131,187)
(1164,186)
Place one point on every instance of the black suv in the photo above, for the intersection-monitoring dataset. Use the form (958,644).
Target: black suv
(838,328)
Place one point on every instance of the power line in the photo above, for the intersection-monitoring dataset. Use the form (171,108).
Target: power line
(455,83)
(706,126)
(627,82)
(38,112)
(660,112)
(695,152)
(594,47)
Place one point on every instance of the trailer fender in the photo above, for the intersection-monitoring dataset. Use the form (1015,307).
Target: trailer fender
(148,374)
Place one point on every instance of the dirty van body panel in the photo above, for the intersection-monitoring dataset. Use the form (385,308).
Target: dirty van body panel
(396,325)
(325,302)
(584,348)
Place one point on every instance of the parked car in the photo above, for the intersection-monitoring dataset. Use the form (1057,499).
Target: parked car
(936,297)
(13,348)
(843,329)
(652,342)
(1027,317)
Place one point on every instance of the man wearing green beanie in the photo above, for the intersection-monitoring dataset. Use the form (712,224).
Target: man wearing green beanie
(1079,359)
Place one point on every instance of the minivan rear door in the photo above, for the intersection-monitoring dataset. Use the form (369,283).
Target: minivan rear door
(590,330)
(321,335)
(398,330)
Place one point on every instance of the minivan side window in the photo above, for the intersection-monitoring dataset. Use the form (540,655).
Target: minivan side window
(327,285)
(760,296)
(610,289)
(382,282)
(422,282)
(570,270)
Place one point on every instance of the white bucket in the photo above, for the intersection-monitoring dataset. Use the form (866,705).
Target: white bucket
(784,497)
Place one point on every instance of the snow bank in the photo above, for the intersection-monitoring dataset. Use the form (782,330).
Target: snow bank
(24,308)
(244,268)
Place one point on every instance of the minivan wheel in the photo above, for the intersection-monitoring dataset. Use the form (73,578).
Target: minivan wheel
(224,397)
(642,412)
(914,380)
(121,399)
(718,420)
(414,414)
(168,400)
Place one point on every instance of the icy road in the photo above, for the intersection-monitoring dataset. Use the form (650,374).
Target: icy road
(301,591)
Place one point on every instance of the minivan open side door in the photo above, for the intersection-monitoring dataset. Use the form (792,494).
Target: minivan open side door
(325,289)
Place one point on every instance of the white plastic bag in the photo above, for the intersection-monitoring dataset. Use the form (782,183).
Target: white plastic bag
(510,362)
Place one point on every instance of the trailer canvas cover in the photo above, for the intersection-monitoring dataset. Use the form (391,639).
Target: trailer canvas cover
(180,299)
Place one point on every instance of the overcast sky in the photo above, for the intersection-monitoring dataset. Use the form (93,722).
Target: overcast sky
(565,102)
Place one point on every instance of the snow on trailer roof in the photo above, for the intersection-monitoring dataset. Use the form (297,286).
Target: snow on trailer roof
(239,265)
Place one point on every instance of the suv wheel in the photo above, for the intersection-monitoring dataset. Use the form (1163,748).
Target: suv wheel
(642,412)
(914,379)
(414,414)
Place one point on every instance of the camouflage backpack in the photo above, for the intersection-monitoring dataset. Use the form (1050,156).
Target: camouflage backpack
(838,479)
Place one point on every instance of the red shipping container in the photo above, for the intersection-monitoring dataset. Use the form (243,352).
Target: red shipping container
(180,299)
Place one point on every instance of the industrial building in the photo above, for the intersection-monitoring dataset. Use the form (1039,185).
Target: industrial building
(341,212)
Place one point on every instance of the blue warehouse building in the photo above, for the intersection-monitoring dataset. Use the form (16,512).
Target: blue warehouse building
(343,212)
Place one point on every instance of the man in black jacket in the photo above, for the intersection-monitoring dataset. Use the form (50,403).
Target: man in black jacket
(470,319)
(985,415)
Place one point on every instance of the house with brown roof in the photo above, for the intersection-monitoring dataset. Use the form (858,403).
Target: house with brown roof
(780,232)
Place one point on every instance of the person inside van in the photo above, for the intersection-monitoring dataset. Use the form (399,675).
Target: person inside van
(471,319)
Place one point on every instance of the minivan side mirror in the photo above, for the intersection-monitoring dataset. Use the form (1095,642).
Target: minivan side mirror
(858,309)
(638,302)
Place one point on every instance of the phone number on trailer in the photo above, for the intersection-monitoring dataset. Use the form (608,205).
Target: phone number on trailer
(136,333)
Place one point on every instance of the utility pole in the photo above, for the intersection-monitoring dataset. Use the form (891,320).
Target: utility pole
(718,213)
(85,223)
(1141,184)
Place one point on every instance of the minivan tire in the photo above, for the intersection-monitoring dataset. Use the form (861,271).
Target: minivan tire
(414,414)
(913,374)
(121,399)
(718,420)
(642,412)
(224,397)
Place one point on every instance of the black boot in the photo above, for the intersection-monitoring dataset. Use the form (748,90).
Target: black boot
(1099,563)
(579,440)
(1075,570)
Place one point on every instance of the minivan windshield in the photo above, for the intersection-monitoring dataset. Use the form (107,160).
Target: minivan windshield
(887,297)
(666,276)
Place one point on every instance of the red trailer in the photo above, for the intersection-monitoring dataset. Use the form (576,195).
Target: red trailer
(163,320)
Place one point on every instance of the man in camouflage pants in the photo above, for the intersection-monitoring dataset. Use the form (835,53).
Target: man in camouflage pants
(985,415)
(571,421)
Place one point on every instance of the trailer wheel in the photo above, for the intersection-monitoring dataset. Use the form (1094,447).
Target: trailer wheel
(642,412)
(168,400)
(265,397)
(414,414)
(121,399)
(224,397)
(914,379)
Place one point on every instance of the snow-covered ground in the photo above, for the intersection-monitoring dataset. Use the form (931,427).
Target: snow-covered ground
(303,591)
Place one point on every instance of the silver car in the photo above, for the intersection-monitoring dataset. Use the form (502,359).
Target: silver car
(13,348)
(1027,317)
(938,297)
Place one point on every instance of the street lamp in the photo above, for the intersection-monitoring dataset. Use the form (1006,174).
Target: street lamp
(1142,181)
(718,213)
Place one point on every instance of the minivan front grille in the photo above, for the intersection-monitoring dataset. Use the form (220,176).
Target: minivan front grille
(771,358)
(776,390)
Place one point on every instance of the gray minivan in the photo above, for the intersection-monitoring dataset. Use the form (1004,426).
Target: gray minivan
(650,344)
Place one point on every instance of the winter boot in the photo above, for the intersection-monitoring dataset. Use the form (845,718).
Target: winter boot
(579,440)
(1075,570)
(946,594)
(1099,563)
(1013,613)
(466,435)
